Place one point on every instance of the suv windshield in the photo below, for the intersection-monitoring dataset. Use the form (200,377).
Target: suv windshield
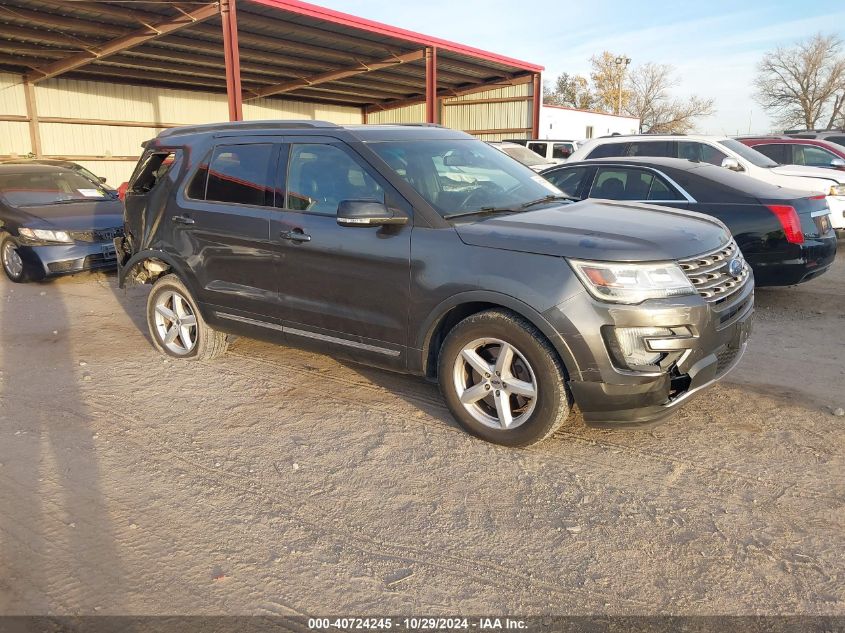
(34,188)
(464,175)
(523,155)
(751,155)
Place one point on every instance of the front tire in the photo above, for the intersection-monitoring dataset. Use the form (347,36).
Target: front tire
(502,379)
(15,267)
(176,325)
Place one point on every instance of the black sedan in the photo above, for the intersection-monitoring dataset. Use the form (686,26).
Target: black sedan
(785,235)
(54,221)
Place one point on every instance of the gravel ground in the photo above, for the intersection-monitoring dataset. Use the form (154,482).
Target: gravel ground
(281,482)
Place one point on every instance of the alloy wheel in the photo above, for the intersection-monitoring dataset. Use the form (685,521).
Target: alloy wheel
(176,323)
(12,261)
(495,383)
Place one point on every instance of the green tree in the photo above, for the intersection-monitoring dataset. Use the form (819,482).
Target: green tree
(572,91)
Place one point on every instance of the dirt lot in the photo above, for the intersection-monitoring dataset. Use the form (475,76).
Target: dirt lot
(281,482)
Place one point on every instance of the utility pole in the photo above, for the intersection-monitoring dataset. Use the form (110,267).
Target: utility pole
(622,63)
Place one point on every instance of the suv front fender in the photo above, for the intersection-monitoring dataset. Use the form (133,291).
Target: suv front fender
(425,335)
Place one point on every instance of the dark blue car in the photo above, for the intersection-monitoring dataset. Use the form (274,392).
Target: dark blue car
(54,221)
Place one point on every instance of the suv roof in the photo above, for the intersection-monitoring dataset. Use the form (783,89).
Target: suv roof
(662,161)
(785,140)
(352,132)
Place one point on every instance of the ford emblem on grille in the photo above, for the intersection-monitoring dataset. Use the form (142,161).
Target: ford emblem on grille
(735,267)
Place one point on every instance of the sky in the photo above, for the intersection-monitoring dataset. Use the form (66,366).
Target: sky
(714,46)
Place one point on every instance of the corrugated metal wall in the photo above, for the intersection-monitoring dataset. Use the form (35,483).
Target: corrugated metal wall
(14,135)
(512,117)
(76,99)
(408,114)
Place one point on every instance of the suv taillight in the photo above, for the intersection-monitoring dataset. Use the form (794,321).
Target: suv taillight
(789,220)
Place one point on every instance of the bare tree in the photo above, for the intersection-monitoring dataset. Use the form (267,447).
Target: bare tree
(649,100)
(568,90)
(804,85)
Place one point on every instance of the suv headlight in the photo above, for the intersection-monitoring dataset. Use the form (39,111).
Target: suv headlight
(632,283)
(837,190)
(44,235)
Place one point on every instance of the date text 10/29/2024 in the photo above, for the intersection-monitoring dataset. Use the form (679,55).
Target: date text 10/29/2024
(416,624)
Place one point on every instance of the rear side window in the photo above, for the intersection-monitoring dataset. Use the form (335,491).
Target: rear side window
(239,174)
(781,153)
(651,148)
(619,183)
(567,180)
(561,150)
(839,140)
(540,148)
(608,150)
(661,190)
(624,183)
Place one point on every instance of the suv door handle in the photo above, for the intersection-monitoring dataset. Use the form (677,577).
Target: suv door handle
(182,219)
(296,236)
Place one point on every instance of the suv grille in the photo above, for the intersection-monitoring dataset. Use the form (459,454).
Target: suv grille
(711,273)
(102,235)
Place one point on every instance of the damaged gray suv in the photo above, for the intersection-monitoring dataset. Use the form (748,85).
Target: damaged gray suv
(423,250)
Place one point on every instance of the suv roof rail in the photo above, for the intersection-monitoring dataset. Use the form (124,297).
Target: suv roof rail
(827,129)
(246,125)
(616,135)
(418,124)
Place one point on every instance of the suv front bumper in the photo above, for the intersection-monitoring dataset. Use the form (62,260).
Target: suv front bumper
(611,396)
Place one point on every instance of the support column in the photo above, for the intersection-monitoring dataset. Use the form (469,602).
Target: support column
(538,99)
(234,93)
(431,113)
(32,115)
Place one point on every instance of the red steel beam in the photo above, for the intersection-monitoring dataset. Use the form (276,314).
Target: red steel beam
(130,40)
(535,111)
(333,75)
(234,92)
(431,109)
(498,82)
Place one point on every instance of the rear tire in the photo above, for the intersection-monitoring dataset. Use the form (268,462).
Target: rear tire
(176,325)
(502,379)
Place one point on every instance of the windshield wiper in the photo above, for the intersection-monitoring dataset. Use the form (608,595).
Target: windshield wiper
(481,211)
(45,204)
(549,198)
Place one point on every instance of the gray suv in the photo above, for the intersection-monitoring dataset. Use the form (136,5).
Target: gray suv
(426,251)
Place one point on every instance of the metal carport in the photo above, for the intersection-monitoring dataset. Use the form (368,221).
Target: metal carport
(257,48)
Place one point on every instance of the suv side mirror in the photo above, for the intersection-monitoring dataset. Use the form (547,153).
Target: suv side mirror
(366,213)
(837,163)
(732,164)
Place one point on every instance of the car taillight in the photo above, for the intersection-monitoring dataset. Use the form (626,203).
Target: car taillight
(789,220)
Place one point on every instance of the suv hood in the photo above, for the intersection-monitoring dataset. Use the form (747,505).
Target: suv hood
(599,230)
(826,177)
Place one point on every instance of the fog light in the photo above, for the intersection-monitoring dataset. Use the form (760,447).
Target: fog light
(632,345)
